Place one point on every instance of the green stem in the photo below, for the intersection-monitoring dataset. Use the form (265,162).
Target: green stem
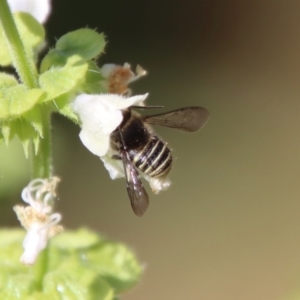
(21,61)
(41,267)
(42,160)
(42,168)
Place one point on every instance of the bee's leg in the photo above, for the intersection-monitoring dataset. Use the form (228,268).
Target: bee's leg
(116,157)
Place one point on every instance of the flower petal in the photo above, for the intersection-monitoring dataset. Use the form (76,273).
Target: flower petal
(40,9)
(98,144)
(127,102)
(34,242)
(100,116)
(114,167)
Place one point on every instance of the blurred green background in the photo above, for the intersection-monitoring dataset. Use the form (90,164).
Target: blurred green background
(228,228)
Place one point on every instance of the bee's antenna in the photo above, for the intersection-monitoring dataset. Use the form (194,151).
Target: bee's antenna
(146,107)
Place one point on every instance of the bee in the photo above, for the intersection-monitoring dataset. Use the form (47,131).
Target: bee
(141,150)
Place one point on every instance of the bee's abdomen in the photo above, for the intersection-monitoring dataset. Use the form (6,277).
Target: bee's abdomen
(154,159)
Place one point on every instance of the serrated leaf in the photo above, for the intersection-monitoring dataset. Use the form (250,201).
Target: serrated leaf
(85,42)
(36,143)
(26,133)
(31,31)
(17,100)
(116,264)
(7,81)
(58,81)
(6,132)
(34,117)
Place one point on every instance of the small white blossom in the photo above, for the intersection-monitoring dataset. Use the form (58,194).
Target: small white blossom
(37,218)
(119,77)
(40,9)
(100,115)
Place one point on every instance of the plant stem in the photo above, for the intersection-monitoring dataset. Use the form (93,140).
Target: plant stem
(41,268)
(41,163)
(21,61)
(42,160)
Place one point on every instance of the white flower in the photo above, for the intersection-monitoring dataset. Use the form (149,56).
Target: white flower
(40,9)
(37,218)
(100,115)
(119,77)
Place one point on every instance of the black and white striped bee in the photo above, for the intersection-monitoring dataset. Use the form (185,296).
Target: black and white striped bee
(141,150)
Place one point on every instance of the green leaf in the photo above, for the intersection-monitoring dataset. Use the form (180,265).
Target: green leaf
(76,282)
(5,58)
(61,80)
(7,81)
(14,287)
(63,106)
(81,265)
(26,133)
(31,32)
(53,59)
(34,117)
(93,82)
(6,132)
(80,239)
(10,251)
(85,43)
(116,264)
(16,281)
(17,100)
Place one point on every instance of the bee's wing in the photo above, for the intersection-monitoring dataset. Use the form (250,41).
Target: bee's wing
(188,119)
(138,196)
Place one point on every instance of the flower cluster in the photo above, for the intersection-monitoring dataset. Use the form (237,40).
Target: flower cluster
(37,218)
(63,75)
(101,114)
